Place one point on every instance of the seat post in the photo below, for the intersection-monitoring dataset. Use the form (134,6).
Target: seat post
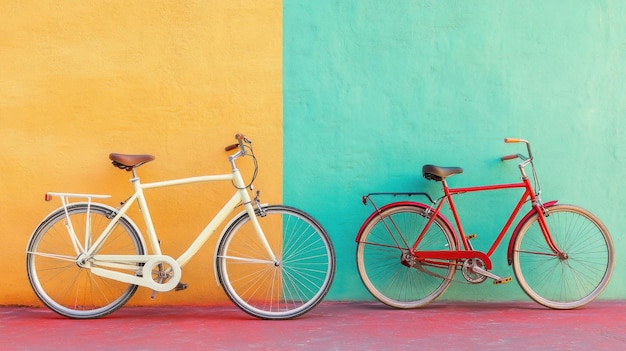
(134,173)
(444,184)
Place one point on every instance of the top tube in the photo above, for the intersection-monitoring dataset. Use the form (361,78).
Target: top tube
(455,191)
(190,180)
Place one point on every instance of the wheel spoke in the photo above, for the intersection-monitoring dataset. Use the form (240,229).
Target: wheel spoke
(59,282)
(571,280)
(390,277)
(286,289)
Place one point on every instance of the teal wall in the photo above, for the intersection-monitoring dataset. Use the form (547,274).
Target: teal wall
(374,89)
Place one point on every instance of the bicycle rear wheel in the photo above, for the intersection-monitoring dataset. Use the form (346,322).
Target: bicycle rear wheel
(56,277)
(384,261)
(564,282)
(285,289)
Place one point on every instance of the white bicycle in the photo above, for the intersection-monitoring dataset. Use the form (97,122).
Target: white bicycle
(86,259)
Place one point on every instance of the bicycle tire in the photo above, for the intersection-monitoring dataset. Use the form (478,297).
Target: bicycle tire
(564,283)
(384,240)
(54,274)
(284,290)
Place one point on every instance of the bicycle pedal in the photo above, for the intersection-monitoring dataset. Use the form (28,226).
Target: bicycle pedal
(470,237)
(502,280)
(181,286)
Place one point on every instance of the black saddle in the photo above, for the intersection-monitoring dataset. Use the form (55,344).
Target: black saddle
(438,174)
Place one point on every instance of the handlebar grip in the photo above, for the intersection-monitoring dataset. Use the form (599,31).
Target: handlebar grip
(241,138)
(512,140)
(509,157)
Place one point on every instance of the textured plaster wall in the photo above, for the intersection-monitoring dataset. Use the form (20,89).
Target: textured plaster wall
(341,98)
(176,79)
(373,90)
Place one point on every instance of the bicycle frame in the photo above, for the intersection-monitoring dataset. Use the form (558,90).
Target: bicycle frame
(129,262)
(408,252)
(466,251)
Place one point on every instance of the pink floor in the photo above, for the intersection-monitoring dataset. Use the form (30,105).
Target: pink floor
(443,325)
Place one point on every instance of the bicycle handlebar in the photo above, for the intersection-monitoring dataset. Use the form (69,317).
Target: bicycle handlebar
(520,156)
(241,138)
(509,157)
(515,140)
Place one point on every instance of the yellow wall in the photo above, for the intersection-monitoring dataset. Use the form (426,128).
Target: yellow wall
(176,79)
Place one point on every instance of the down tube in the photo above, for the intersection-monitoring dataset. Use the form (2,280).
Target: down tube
(210,229)
(508,223)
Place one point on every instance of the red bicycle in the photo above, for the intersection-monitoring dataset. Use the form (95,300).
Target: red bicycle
(408,252)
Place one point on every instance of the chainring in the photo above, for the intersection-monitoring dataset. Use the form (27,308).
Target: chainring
(469,274)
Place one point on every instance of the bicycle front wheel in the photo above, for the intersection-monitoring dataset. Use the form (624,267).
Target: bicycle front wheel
(282,289)
(386,265)
(570,280)
(52,266)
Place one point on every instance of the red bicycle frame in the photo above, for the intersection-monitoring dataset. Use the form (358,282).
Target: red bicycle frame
(408,252)
(466,252)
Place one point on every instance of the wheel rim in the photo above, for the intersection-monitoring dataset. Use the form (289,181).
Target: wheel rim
(577,276)
(60,282)
(380,264)
(276,290)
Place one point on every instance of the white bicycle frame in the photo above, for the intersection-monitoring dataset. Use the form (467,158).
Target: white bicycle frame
(88,257)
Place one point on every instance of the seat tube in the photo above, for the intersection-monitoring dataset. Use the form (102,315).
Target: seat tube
(457,220)
(145,212)
(433,215)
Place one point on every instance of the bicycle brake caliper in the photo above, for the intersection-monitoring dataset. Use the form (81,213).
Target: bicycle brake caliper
(427,212)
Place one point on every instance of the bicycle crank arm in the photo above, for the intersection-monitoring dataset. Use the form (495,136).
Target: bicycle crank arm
(496,279)
(159,272)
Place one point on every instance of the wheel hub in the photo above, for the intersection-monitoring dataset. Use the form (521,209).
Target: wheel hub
(82,261)
(407,259)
